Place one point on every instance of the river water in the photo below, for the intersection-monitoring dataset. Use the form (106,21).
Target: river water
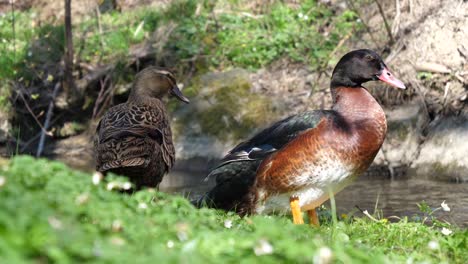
(393,198)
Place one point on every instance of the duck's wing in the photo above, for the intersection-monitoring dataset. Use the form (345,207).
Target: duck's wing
(128,133)
(273,138)
(236,172)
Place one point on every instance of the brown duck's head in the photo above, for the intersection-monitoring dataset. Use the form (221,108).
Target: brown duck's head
(360,66)
(156,82)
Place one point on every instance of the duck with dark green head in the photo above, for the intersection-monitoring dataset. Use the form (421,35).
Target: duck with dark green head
(134,139)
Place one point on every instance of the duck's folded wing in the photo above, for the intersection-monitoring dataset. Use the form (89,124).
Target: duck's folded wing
(141,123)
(273,138)
(236,172)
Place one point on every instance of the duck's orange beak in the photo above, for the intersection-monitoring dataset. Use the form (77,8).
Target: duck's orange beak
(177,93)
(387,77)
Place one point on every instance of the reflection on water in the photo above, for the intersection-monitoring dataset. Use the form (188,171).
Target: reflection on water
(395,198)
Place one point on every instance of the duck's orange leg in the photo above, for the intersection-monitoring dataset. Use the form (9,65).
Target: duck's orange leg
(296,211)
(313,218)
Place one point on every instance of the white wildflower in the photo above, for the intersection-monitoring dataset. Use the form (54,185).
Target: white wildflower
(446,231)
(182,229)
(55,223)
(116,225)
(445,206)
(324,255)
(433,245)
(82,198)
(142,206)
(110,186)
(300,15)
(228,224)
(126,185)
(189,246)
(2,180)
(182,235)
(410,260)
(118,241)
(263,248)
(306,17)
(170,244)
(97,177)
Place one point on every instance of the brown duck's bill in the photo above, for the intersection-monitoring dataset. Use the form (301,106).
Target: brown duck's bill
(387,77)
(177,93)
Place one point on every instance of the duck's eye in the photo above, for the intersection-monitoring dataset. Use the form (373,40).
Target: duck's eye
(369,58)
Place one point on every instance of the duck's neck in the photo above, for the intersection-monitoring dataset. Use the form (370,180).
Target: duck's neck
(356,104)
(142,98)
(365,119)
(362,113)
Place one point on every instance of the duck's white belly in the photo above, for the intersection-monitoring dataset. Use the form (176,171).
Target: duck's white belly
(317,181)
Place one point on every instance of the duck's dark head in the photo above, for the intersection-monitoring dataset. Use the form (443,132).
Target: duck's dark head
(360,66)
(156,82)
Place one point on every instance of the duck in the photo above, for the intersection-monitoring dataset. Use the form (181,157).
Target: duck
(134,139)
(294,165)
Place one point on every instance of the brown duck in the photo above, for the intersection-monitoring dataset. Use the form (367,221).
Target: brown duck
(134,139)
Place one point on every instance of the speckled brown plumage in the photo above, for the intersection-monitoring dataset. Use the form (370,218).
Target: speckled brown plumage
(134,138)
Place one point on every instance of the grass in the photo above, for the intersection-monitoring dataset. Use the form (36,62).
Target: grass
(232,37)
(50,213)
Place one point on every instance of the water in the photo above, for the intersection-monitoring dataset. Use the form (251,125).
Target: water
(397,198)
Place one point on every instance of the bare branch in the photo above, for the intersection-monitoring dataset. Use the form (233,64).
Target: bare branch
(387,27)
(350,4)
(396,20)
(69,85)
(40,146)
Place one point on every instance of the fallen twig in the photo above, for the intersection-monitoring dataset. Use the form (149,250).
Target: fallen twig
(93,76)
(396,20)
(411,7)
(322,68)
(366,213)
(102,96)
(30,110)
(350,4)
(98,18)
(24,146)
(387,27)
(40,146)
(431,67)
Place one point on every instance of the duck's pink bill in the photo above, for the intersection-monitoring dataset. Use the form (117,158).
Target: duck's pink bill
(387,77)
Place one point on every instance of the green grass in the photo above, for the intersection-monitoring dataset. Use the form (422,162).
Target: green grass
(50,213)
(209,35)
(231,38)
